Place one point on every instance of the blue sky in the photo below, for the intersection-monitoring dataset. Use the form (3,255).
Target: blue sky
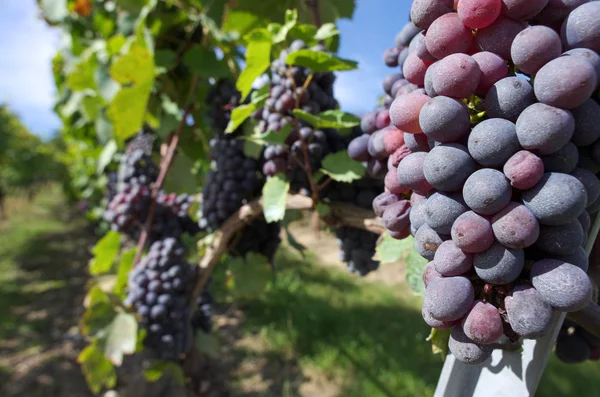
(27,46)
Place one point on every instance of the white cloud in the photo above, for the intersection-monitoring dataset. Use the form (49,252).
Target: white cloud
(27,46)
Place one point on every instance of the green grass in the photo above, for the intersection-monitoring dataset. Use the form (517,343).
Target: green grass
(369,337)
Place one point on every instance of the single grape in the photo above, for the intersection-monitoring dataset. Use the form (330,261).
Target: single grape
(562,239)
(581,29)
(396,216)
(448,166)
(493,69)
(456,76)
(449,298)
(483,323)
(401,59)
(472,233)
(427,241)
(376,146)
(522,10)
(498,36)
(428,84)
(477,14)
(487,191)
(424,12)
(448,35)
(414,69)
(419,48)
(492,142)
(562,285)
(544,128)
(367,123)
(572,349)
(534,47)
(393,185)
(465,349)
(417,142)
(587,54)
(564,160)
(411,173)
(389,81)
(407,33)
(405,110)
(515,226)
(383,201)
(508,97)
(358,149)
(556,199)
(445,119)
(449,260)
(433,323)
(498,264)
(442,209)
(417,214)
(390,56)
(528,314)
(587,120)
(429,273)
(524,170)
(393,140)
(398,156)
(565,82)
(590,182)
(556,11)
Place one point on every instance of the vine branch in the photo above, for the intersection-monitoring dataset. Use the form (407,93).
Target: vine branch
(164,170)
(316,14)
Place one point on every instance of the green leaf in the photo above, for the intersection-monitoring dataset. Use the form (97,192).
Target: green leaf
(241,22)
(326,31)
(248,277)
(105,252)
(165,59)
(207,344)
(125,266)
(204,62)
(121,338)
(106,156)
(291,18)
(295,244)
(98,371)
(239,115)
(272,137)
(319,61)
(258,59)
(305,33)
(131,5)
(115,43)
(82,76)
(341,168)
(328,119)
(275,193)
(99,313)
(323,209)
(415,264)
(439,341)
(54,10)
(159,369)
(259,97)
(135,72)
(391,250)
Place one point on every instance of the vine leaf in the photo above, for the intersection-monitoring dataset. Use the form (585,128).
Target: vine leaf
(248,276)
(97,369)
(272,137)
(82,76)
(291,18)
(204,62)
(329,119)
(275,193)
(135,72)
(106,156)
(390,250)
(105,252)
(326,31)
(125,266)
(165,59)
(319,61)
(161,368)
(258,59)
(121,338)
(415,264)
(98,314)
(239,115)
(341,168)
(439,341)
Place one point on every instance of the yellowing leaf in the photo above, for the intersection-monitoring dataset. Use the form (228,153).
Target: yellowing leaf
(275,198)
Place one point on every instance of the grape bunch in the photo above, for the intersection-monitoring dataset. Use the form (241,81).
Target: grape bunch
(158,290)
(222,98)
(293,87)
(137,166)
(499,114)
(357,245)
(575,345)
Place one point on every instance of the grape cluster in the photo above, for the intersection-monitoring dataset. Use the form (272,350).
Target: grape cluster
(289,89)
(357,245)
(575,345)
(222,98)
(502,165)
(159,288)
(137,166)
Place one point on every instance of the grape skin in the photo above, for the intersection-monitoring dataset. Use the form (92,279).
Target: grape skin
(405,110)
(466,350)
(565,82)
(427,241)
(414,69)
(590,182)
(587,54)
(388,82)
(493,69)
(556,11)
(416,142)
(444,119)
(448,166)
(556,199)
(384,200)
(483,323)
(376,146)
(587,120)
(456,76)
(447,35)
(515,226)
(493,141)
(572,349)
(433,323)
(449,260)
(442,209)
(429,273)
(497,37)
(562,285)
(408,32)
(358,149)
(477,14)
(580,29)
(487,191)
(544,128)
(472,233)
(392,184)
(564,160)
(367,123)
(393,140)
(424,12)
(420,49)
(411,173)
(376,168)
(508,97)
(449,298)
(396,216)
(534,47)
(528,314)
(498,264)
(417,214)
(524,170)
(560,240)
(522,10)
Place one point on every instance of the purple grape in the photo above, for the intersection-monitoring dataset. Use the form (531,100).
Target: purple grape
(497,37)
(564,160)
(396,216)
(581,29)
(522,10)
(528,314)
(534,47)
(383,201)
(544,128)
(498,264)
(411,173)
(587,120)
(483,323)
(590,182)
(449,260)
(456,76)
(445,119)
(465,349)
(562,285)
(515,226)
(424,12)
(429,273)
(358,149)
(449,298)
(448,35)
(404,37)
(508,98)
(427,241)
(442,209)
(560,240)
(587,54)
(417,214)
(433,323)
(492,142)
(487,191)
(448,166)
(472,233)
(524,170)
(493,69)
(416,142)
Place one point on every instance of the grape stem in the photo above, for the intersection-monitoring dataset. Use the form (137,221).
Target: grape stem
(164,170)
(316,13)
